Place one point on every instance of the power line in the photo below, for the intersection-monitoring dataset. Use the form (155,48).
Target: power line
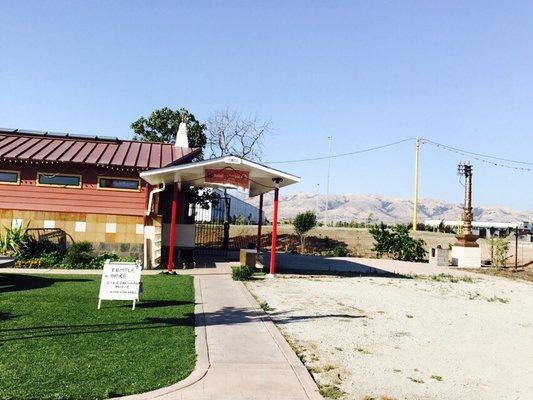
(485,158)
(466,152)
(342,154)
(482,157)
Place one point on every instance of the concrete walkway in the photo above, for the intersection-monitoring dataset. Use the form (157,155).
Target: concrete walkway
(241,354)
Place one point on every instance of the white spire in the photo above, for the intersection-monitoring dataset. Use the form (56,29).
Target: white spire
(181,137)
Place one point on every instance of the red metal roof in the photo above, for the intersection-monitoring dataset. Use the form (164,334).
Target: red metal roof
(53,147)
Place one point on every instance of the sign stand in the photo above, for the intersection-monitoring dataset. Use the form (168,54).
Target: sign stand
(120,281)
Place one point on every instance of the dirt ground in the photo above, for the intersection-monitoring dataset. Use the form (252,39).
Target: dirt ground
(421,338)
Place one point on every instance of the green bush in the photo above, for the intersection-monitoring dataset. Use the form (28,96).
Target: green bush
(397,243)
(38,248)
(78,255)
(242,273)
(51,259)
(499,249)
(337,251)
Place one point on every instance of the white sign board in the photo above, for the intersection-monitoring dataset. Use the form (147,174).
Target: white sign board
(120,281)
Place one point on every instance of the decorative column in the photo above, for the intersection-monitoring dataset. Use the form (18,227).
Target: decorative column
(172,235)
(259,224)
(466,238)
(274,243)
(466,252)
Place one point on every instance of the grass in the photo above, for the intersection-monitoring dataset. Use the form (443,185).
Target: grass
(451,278)
(55,344)
(331,392)
(265,306)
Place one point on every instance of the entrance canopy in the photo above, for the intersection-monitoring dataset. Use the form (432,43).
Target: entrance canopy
(229,171)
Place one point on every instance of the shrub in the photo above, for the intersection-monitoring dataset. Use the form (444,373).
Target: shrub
(397,243)
(242,273)
(78,255)
(499,249)
(51,259)
(337,251)
(99,261)
(37,248)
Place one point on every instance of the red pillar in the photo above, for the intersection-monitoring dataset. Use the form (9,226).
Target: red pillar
(172,236)
(274,233)
(259,224)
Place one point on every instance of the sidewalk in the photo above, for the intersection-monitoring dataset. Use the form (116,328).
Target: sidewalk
(241,354)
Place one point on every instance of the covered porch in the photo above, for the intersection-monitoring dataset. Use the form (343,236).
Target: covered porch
(225,172)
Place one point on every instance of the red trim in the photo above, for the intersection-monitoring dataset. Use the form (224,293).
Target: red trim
(274,233)
(172,236)
(259,224)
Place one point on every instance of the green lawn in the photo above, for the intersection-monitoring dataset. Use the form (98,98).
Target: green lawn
(55,344)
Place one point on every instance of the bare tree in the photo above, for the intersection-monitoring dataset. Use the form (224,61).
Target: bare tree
(228,133)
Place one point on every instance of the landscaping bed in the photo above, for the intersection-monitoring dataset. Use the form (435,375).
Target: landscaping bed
(55,344)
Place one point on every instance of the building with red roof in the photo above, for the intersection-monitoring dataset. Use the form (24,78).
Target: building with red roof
(87,186)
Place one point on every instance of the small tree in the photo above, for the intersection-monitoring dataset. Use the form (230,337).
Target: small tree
(303,223)
(397,243)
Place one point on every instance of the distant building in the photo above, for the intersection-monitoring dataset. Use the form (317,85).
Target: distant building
(240,211)
(488,229)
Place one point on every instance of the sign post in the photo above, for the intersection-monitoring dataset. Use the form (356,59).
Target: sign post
(120,281)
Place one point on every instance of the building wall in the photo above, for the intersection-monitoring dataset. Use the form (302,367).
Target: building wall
(112,220)
(87,199)
(98,229)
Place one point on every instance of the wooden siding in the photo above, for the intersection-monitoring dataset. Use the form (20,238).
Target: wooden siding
(87,199)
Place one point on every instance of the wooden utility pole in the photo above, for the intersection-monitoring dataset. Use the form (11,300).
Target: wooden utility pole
(516,248)
(327,182)
(415,194)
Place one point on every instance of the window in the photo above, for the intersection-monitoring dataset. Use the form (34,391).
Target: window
(80,226)
(58,180)
(118,183)
(10,177)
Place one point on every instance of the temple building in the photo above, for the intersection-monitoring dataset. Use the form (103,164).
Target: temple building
(124,196)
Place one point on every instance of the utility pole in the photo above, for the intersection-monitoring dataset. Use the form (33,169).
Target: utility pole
(415,194)
(327,182)
(317,198)
(516,248)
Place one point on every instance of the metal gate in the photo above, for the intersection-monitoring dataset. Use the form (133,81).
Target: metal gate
(209,240)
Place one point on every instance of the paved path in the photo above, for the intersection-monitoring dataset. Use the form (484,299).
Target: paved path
(241,354)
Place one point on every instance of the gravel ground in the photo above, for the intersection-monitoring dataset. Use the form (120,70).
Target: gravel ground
(420,338)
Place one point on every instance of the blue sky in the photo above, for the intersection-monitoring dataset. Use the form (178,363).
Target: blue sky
(367,73)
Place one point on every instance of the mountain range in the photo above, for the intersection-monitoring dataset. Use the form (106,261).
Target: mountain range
(356,207)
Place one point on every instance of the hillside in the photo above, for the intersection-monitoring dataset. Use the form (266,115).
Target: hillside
(387,209)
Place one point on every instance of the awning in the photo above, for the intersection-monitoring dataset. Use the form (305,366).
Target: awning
(229,171)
